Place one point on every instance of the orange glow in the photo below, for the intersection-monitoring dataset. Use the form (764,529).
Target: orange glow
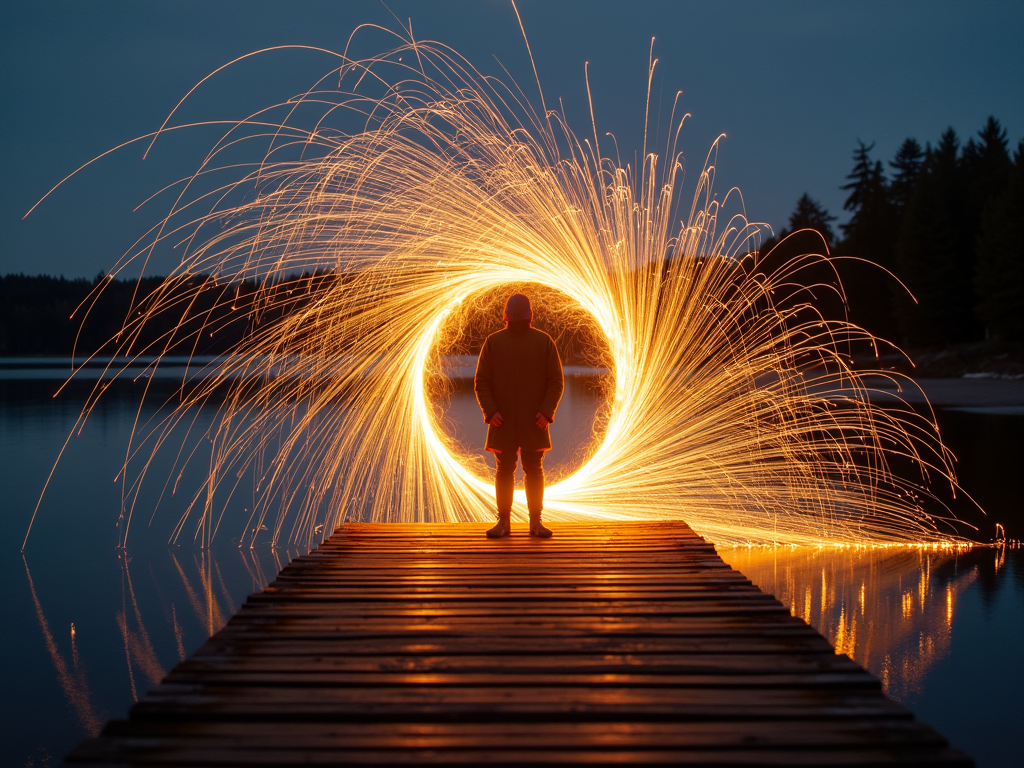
(867,610)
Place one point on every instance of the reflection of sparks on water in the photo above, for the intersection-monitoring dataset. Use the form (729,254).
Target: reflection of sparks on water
(178,634)
(136,653)
(882,606)
(206,609)
(448,185)
(75,686)
(253,567)
(138,647)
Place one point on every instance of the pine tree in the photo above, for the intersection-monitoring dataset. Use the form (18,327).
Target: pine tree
(986,166)
(810,214)
(934,253)
(870,234)
(907,165)
(809,225)
(861,180)
(869,202)
(999,280)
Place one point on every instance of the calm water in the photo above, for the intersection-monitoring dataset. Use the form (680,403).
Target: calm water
(93,629)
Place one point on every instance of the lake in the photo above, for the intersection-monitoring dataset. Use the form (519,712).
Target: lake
(94,627)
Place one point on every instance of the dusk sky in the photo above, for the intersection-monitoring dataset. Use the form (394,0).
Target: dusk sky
(793,85)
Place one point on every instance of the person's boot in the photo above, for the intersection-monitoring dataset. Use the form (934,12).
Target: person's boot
(537,527)
(503,528)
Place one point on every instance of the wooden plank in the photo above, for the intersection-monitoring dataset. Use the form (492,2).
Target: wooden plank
(677,663)
(633,734)
(497,703)
(431,645)
(416,645)
(179,754)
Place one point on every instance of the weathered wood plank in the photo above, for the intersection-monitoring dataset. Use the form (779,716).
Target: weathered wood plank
(565,677)
(178,754)
(584,663)
(496,703)
(637,734)
(417,645)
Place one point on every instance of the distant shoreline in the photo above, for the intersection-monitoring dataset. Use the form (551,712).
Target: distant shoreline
(997,396)
(982,394)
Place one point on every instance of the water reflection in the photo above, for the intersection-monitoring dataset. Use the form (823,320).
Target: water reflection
(192,581)
(138,649)
(889,608)
(73,682)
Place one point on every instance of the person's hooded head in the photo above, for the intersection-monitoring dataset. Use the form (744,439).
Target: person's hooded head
(518,309)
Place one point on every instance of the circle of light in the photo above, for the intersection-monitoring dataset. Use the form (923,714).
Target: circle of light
(558,496)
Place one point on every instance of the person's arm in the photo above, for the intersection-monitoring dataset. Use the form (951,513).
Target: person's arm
(482,384)
(555,383)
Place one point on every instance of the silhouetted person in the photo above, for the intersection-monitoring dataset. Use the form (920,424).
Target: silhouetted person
(518,384)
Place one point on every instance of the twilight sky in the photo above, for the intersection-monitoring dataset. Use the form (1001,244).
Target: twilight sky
(793,85)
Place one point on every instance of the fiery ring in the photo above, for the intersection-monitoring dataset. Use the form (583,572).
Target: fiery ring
(559,497)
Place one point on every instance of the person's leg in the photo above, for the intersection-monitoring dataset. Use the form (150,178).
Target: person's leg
(504,488)
(504,480)
(533,468)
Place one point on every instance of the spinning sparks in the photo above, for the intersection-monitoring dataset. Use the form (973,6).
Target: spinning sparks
(407,186)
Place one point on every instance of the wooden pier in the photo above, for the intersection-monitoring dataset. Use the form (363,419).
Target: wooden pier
(430,644)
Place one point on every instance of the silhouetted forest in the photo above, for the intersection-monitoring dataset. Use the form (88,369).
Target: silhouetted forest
(945,220)
(191,315)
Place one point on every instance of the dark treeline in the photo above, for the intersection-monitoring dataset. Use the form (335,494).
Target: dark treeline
(200,315)
(191,315)
(944,219)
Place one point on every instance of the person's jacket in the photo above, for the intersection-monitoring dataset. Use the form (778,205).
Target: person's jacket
(518,374)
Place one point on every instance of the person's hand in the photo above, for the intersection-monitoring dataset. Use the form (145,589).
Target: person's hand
(496,420)
(542,421)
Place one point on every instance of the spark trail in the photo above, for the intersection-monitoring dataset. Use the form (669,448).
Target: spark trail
(407,185)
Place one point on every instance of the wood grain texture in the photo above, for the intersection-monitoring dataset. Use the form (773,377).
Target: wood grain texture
(612,643)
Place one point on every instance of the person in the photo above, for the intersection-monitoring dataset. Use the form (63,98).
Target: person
(518,384)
